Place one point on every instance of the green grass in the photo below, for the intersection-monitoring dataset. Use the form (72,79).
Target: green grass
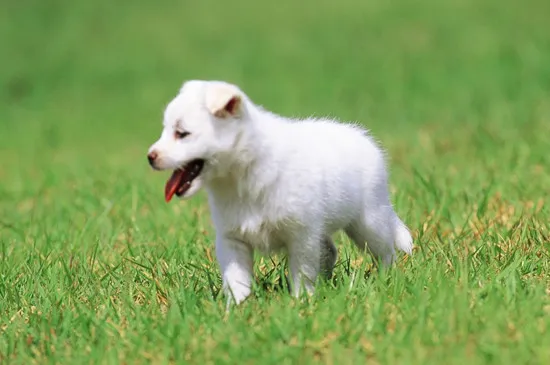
(96,268)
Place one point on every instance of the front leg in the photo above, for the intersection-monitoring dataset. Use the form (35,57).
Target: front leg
(305,262)
(236,263)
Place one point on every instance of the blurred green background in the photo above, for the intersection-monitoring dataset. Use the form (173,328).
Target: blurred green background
(76,72)
(457,91)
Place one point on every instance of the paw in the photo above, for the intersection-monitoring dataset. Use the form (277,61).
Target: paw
(306,287)
(236,292)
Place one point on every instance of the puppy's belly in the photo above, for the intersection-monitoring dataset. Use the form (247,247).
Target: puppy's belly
(264,237)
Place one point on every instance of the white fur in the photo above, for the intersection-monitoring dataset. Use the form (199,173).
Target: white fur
(275,183)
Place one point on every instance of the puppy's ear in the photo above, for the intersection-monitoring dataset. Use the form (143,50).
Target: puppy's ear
(224,101)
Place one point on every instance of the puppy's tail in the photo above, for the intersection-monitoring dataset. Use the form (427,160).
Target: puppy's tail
(403,238)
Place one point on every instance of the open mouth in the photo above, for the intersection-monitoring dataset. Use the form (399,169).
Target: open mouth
(181,179)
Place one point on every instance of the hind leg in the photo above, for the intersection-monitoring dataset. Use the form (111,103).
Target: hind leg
(375,232)
(329,255)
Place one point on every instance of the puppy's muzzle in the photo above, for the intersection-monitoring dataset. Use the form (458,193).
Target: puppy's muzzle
(152,156)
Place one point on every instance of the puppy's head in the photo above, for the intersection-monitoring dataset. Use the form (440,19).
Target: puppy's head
(201,123)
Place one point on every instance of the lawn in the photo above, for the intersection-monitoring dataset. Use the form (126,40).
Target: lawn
(96,268)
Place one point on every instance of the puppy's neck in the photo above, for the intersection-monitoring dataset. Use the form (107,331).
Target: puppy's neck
(242,173)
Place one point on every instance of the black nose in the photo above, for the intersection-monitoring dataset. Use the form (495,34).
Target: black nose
(152,157)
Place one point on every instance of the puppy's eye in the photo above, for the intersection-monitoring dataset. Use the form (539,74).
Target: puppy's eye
(181,135)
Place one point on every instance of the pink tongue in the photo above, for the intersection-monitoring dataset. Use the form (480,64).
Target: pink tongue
(173,184)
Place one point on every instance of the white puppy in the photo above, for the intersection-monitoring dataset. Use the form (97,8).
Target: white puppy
(274,183)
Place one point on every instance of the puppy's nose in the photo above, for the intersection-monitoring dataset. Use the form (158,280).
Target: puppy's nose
(152,156)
